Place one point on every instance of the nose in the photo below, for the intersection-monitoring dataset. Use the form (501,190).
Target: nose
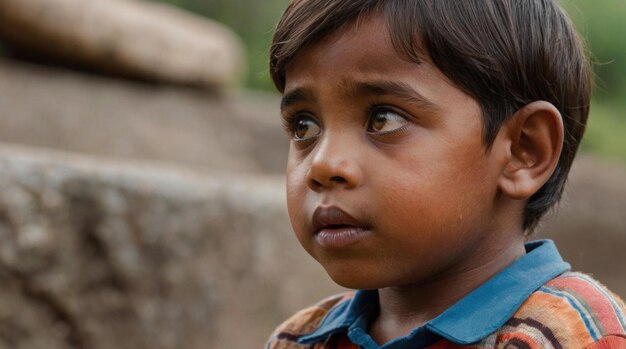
(334,164)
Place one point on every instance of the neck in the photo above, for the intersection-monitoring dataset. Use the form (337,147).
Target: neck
(402,308)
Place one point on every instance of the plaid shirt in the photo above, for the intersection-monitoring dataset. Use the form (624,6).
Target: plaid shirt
(534,303)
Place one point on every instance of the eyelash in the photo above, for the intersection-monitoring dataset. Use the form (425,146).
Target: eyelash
(382,108)
(290,119)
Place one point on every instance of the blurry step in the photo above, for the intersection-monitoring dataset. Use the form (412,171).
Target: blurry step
(134,38)
(61,109)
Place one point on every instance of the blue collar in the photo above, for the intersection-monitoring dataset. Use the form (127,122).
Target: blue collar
(473,318)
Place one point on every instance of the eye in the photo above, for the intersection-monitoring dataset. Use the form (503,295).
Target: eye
(385,120)
(305,128)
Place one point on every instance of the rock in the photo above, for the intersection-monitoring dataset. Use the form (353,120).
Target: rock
(104,254)
(66,110)
(131,37)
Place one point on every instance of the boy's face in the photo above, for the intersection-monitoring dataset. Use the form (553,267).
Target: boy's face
(388,179)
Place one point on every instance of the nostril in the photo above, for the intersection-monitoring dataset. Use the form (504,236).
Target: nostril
(316,183)
(338,179)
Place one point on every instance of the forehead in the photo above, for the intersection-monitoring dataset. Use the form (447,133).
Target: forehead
(359,53)
(361,45)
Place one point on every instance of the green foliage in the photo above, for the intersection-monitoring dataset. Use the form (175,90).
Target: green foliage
(601,24)
(606,131)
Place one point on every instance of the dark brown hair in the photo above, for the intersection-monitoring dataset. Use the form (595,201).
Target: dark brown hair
(503,53)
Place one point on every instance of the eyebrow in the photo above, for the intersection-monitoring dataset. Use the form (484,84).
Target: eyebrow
(351,88)
(396,89)
(293,97)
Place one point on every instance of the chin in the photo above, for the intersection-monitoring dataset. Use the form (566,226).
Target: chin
(355,284)
(357,278)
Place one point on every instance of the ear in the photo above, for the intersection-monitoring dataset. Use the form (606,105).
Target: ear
(534,136)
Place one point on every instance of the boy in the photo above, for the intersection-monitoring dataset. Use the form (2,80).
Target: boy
(428,137)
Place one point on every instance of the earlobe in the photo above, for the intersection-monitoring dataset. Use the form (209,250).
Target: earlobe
(534,137)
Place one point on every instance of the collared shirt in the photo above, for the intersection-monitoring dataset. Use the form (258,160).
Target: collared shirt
(533,303)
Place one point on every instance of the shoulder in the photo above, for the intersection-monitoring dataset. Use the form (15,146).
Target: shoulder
(570,311)
(304,322)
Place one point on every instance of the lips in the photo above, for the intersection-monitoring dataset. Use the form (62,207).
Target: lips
(332,218)
(335,228)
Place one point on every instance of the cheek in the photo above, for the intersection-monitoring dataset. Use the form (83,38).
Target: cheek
(295,196)
(419,209)
(297,206)
(293,204)
(436,197)
(295,179)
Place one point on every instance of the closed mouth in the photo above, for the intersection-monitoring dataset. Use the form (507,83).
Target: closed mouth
(333,218)
(336,229)
(337,226)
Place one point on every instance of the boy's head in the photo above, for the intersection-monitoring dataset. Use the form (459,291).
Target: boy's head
(399,96)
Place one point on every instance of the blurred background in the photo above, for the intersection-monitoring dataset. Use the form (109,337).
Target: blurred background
(141,186)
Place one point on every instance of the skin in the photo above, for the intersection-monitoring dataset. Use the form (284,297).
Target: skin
(438,213)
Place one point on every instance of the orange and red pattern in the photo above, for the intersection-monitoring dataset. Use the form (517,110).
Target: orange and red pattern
(572,311)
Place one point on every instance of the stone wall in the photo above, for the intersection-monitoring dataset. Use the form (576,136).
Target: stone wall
(102,254)
(66,110)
